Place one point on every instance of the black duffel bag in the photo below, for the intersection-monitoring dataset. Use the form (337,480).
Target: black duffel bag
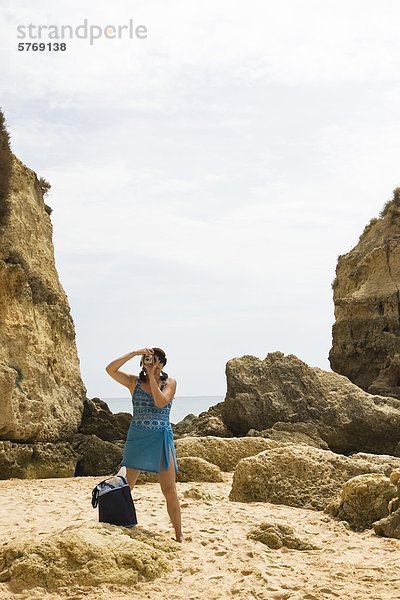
(114,498)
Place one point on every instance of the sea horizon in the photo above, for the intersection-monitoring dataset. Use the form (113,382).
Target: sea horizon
(181,405)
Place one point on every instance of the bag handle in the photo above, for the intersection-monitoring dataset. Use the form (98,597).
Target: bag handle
(95,491)
(95,497)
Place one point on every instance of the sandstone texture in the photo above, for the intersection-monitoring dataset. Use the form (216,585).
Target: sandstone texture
(41,390)
(193,468)
(363,500)
(99,420)
(293,433)
(36,461)
(196,492)
(223,452)
(276,536)
(190,468)
(207,423)
(207,458)
(100,439)
(300,475)
(96,456)
(394,504)
(366,295)
(86,555)
(261,393)
(390,526)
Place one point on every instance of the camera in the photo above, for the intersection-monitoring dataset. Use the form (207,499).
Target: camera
(148,359)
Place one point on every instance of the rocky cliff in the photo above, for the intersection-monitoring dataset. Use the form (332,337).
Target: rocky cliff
(282,398)
(41,390)
(366,294)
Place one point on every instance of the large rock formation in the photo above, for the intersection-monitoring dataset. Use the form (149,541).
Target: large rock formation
(279,398)
(41,390)
(366,294)
(284,389)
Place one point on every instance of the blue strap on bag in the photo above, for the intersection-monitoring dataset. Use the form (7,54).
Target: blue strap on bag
(114,499)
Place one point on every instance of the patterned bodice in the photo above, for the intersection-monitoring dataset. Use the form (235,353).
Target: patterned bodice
(145,413)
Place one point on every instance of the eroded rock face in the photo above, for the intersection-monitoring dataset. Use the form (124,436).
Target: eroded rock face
(193,468)
(41,390)
(86,555)
(223,452)
(363,500)
(207,423)
(285,389)
(293,433)
(206,458)
(99,420)
(390,526)
(37,461)
(300,475)
(366,294)
(96,456)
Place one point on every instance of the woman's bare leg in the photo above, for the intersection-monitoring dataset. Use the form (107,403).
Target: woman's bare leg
(168,487)
(131,476)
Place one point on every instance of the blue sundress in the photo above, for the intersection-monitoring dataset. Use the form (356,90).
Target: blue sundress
(150,436)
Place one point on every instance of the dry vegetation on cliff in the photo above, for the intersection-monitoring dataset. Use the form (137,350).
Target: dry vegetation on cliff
(5,168)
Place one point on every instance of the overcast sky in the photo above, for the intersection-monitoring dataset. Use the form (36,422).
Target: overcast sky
(205,179)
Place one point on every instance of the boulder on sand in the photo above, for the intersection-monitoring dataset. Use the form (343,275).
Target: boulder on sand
(193,468)
(283,388)
(300,475)
(363,499)
(86,555)
(276,536)
(390,526)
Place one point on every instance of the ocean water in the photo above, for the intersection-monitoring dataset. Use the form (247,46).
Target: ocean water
(181,405)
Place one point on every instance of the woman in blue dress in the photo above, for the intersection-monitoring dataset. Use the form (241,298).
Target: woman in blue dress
(149,444)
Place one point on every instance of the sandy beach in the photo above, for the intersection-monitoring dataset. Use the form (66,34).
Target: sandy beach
(217,560)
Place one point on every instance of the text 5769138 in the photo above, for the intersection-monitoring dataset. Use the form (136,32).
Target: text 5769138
(42,47)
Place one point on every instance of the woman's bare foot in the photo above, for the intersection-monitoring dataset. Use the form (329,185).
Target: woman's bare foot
(179,538)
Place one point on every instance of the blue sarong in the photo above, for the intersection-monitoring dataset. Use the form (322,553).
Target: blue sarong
(149,449)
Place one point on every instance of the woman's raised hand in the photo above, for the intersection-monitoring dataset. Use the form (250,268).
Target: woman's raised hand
(145,351)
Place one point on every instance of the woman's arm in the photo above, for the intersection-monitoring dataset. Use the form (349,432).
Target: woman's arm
(113,367)
(161,398)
